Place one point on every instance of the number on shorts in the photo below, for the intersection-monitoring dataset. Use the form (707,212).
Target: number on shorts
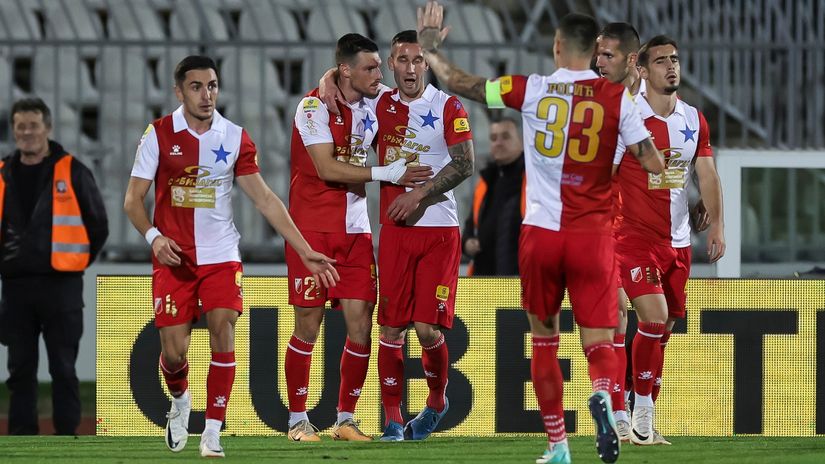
(311,291)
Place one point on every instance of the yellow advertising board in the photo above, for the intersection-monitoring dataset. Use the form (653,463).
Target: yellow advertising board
(746,355)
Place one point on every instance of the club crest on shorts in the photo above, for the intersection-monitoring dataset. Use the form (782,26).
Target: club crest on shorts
(636,274)
(299,285)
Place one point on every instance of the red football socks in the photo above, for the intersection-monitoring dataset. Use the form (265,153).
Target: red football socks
(176,377)
(219,384)
(391,376)
(549,386)
(296,367)
(436,361)
(601,363)
(657,385)
(617,393)
(647,354)
(355,361)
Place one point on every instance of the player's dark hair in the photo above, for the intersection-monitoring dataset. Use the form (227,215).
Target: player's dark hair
(626,35)
(193,62)
(35,105)
(658,41)
(406,37)
(350,45)
(579,31)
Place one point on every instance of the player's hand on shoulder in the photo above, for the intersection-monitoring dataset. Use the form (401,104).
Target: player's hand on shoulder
(322,268)
(166,251)
(328,91)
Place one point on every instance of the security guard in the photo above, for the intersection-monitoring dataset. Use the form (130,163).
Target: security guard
(53,226)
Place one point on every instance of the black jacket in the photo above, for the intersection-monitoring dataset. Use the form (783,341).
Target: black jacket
(499,220)
(25,245)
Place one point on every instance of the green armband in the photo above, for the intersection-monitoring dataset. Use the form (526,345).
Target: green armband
(493,94)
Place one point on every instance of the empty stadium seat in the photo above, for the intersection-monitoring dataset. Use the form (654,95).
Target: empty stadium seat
(124,72)
(197,20)
(134,19)
(333,21)
(65,20)
(249,75)
(393,17)
(60,71)
(18,21)
(472,23)
(265,20)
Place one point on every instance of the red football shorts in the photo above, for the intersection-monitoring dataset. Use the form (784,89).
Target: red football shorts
(419,275)
(650,268)
(177,290)
(355,264)
(583,262)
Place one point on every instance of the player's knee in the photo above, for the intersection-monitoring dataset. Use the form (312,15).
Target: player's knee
(173,357)
(427,334)
(308,324)
(393,334)
(359,332)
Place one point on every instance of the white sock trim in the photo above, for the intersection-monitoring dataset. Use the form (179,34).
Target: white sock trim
(360,355)
(649,335)
(305,353)
(220,364)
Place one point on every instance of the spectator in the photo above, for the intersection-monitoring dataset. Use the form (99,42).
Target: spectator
(53,226)
(491,232)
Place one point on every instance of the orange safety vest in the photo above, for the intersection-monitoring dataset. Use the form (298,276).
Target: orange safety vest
(70,241)
(478,200)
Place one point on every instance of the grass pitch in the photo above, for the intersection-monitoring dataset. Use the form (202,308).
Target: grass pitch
(738,450)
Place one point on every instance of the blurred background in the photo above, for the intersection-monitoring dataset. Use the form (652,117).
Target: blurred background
(756,68)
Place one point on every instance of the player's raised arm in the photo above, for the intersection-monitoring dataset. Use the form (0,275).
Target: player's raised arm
(275,212)
(430,36)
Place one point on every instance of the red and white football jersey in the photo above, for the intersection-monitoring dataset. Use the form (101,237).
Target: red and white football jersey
(420,131)
(571,123)
(655,206)
(193,177)
(317,205)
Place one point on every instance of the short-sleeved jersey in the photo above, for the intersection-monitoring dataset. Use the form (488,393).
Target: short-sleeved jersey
(420,131)
(193,177)
(655,206)
(571,122)
(321,206)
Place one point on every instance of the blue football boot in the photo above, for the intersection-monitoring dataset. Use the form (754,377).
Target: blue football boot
(425,422)
(393,432)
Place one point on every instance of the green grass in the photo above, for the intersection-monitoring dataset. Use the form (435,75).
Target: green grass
(737,450)
(44,399)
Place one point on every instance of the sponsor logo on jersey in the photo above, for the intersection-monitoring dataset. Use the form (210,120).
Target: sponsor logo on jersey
(175,151)
(461,125)
(311,104)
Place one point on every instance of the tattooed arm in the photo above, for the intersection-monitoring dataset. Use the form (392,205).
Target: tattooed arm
(649,157)
(458,169)
(430,36)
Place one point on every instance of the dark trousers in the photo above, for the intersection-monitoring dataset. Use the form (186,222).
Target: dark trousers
(53,307)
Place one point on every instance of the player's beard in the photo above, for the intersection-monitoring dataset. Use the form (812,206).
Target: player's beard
(671,89)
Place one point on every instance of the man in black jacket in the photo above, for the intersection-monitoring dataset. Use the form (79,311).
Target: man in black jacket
(53,226)
(491,232)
